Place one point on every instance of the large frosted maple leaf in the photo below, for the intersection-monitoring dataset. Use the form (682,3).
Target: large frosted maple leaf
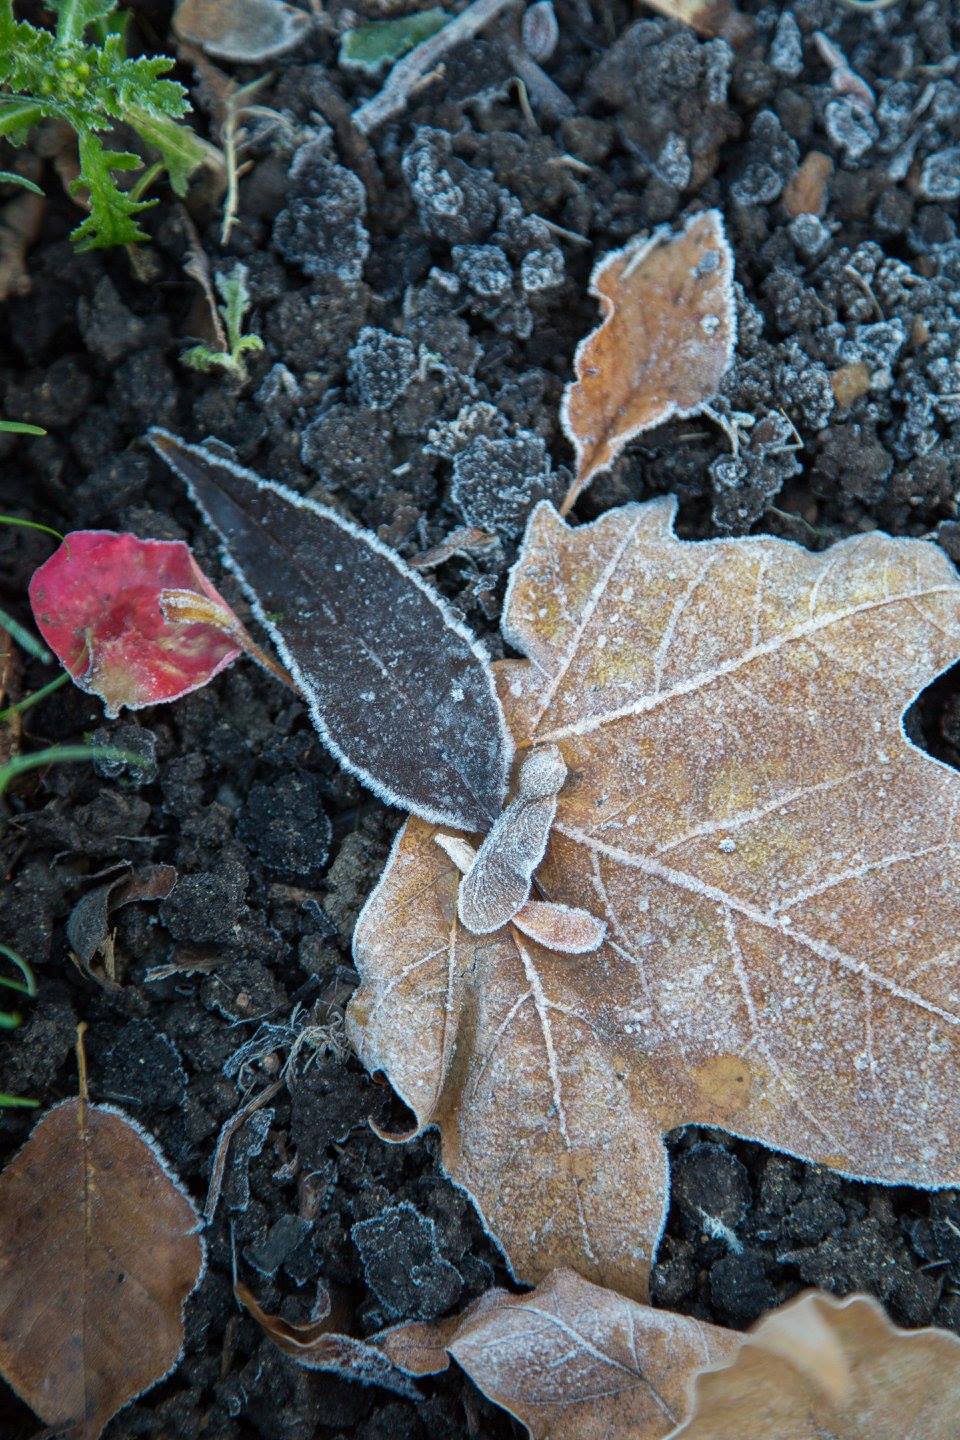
(774,860)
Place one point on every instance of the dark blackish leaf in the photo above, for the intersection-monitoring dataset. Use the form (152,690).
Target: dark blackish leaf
(399,690)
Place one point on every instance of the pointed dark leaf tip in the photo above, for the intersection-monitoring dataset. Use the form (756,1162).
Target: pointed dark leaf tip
(398,688)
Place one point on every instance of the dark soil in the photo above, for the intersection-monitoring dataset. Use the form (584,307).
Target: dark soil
(420,298)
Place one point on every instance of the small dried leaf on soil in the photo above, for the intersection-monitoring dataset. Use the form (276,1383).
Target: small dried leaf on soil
(97,603)
(774,862)
(88,924)
(465,540)
(241,30)
(807,190)
(98,1253)
(398,689)
(570,1360)
(667,336)
(319,1345)
(821,1366)
(710,18)
(21,220)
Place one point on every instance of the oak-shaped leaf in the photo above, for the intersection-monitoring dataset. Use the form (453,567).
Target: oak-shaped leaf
(821,1366)
(98,603)
(570,1360)
(99,1251)
(399,690)
(772,857)
(667,337)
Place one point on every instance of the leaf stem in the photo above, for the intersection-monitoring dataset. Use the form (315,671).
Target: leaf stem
(29,701)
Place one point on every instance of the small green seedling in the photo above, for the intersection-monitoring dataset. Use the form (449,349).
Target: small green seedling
(94,85)
(234,344)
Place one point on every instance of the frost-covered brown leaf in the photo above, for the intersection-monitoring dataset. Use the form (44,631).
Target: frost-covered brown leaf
(570,1360)
(825,1367)
(98,1253)
(774,861)
(667,336)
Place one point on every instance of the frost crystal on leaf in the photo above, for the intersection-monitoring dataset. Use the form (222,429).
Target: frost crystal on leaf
(774,861)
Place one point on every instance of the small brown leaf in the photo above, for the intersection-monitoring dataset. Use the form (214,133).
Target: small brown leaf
(821,1366)
(241,30)
(562,928)
(98,1253)
(570,1360)
(774,861)
(667,337)
(88,924)
(466,540)
(806,190)
(849,382)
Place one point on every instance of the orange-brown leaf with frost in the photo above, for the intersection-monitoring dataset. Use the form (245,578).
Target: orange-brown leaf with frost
(98,1253)
(667,337)
(570,1360)
(773,860)
(821,1366)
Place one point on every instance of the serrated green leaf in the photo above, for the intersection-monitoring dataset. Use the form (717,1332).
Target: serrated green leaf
(73,16)
(370,47)
(110,221)
(17,119)
(180,149)
(26,58)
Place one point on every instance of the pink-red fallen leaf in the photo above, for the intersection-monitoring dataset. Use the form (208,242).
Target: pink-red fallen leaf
(97,604)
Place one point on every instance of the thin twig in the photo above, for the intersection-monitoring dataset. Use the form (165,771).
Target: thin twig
(403,78)
(230,1128)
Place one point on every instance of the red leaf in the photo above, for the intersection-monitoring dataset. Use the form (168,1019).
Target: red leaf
(97,604)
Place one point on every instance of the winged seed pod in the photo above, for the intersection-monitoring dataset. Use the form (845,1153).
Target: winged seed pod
(498,882)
